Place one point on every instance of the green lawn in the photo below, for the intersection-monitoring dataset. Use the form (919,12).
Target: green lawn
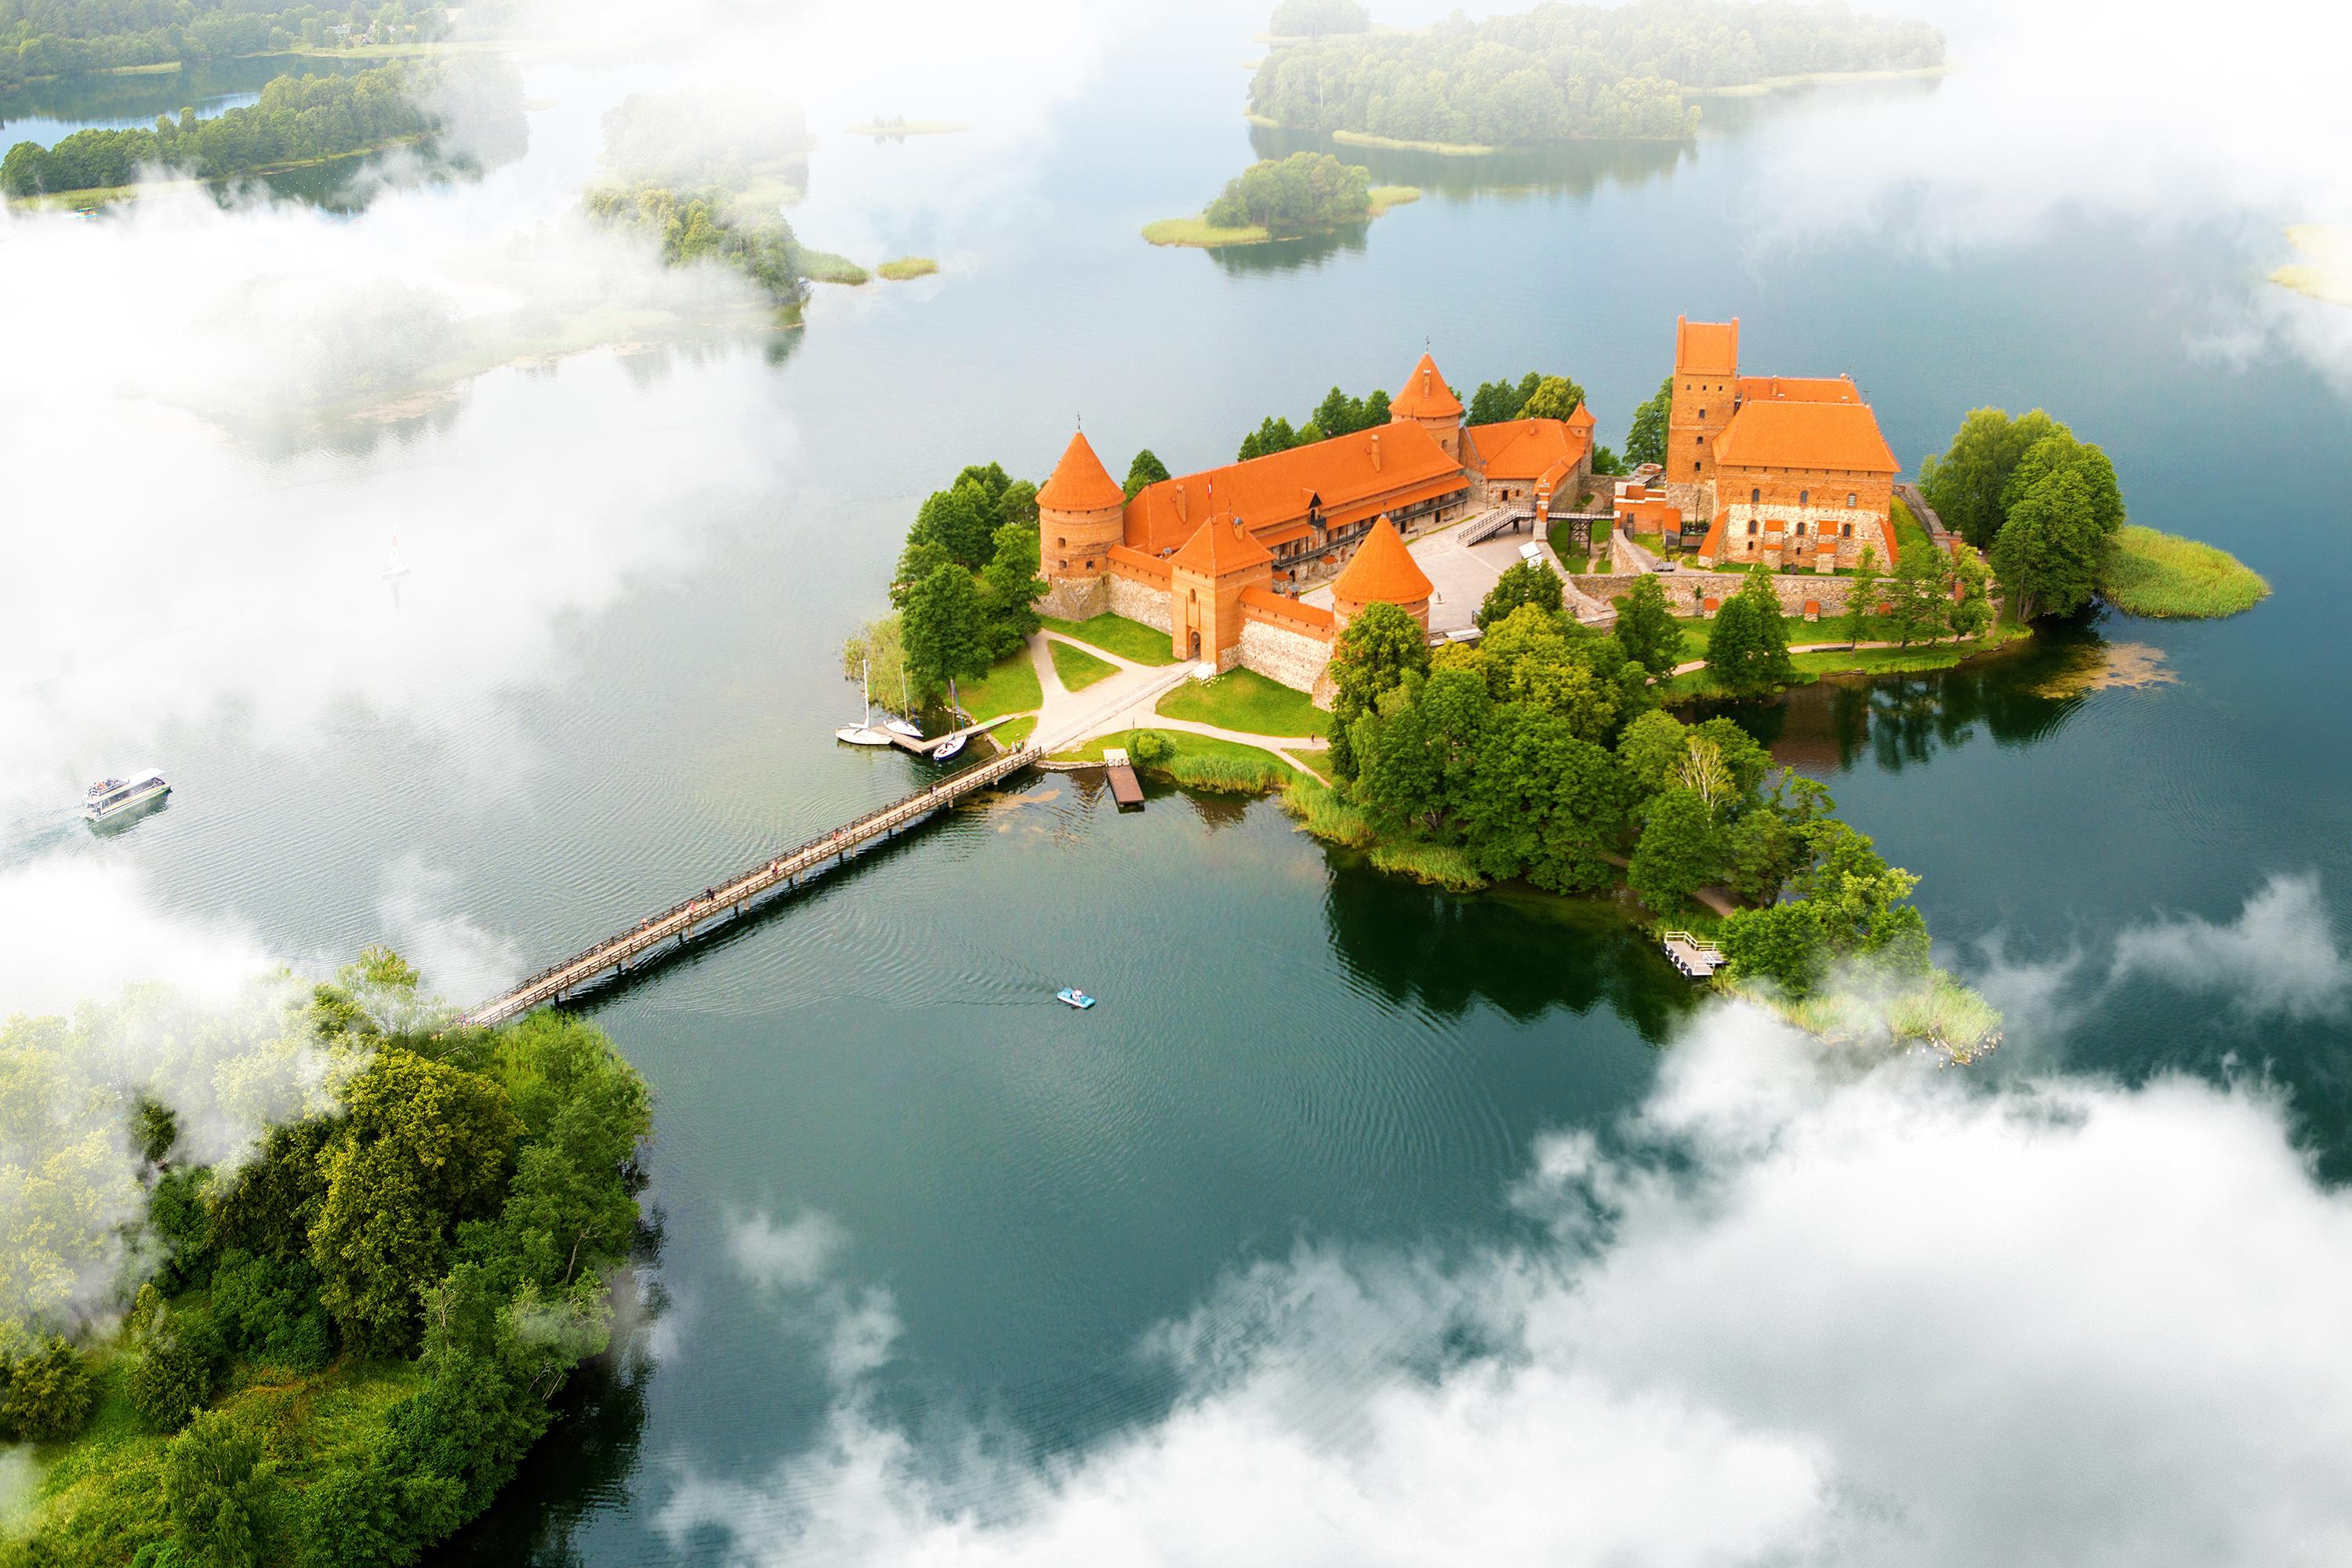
(2163,575)
(1010,687)
(1011,736)
(1246,700)
(1132,640)
(1079,668)
(1319,761)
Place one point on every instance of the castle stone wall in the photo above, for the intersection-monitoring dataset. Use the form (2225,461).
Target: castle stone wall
(1075,598)
(1685,591)
(1144,602)
(1292,657)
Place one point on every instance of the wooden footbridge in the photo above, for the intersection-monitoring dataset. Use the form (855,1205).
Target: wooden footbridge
(658,935)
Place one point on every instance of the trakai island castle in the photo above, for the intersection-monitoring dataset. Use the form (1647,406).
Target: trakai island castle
(1217,558)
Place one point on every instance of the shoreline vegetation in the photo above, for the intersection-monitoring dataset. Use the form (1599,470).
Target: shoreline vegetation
(2325,271)
(2164,576)
(1295,197)
(1573,72)
(45,42)
(349,1339)
(299,122)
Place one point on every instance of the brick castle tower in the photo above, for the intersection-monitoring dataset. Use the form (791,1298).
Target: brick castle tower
(1706,392)
(1080,515)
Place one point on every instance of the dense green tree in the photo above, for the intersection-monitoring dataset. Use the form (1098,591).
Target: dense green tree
(216,1487)
(1748,651)
(1340,414)
(1315,18)
(1543,803)
(1496,401)
(2060,451)
(173,1375)
(1680,851)
(1009,588)
(1544,660)
(1370,657)
(47,1394)
(1554,397)
(1861,598)
(946,627)
(1018,505)
(917,562)
(1147,470)
(1647,441)
(1972,615)
(1275,435)
(1967,484)
(1607,462)
(1305,190)
(1780,943)
(1522,583)
(1918,595)
(1646,629)
(422,1146)
(961,520)
(1650,746)
(2049,553)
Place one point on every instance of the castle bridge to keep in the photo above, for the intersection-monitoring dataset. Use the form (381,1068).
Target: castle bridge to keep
(657,936)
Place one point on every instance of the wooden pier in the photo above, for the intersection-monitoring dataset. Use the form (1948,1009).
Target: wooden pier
(1124,788)
(657,935)
(1694,955)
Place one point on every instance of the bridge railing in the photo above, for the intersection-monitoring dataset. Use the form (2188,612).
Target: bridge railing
(968,778)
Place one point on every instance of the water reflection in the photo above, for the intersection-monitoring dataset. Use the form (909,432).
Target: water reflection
(1576,167)
(1521,952)
(2019,697)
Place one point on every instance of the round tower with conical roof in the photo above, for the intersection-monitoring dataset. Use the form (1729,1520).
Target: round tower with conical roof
(1426,400)
(1081,514)
(1382,571)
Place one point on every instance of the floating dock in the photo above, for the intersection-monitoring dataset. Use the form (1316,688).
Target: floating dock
(1694,955)
(1125,788)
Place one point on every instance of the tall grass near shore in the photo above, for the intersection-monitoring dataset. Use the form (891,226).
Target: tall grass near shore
(2166,576)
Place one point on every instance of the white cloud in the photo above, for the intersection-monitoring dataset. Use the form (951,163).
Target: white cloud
(2278,958)
(795,1266)
(786,1257)
(75,925)
(461,960)
(1789,1312)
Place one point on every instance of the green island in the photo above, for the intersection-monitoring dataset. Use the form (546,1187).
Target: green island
(299,120)
(906,267)
(337,1347)
(704,179)
(40,40)
(1307,193)
(1566,72)
(2045,508)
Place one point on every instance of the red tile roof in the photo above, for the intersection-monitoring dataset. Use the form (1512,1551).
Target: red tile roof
(1774,434)
(1221,547)
(1709,348)
(1526,448)
(1354,477)
(1382,569)
(1425,395)
(1080,482)
(1801,388)
(1266,601)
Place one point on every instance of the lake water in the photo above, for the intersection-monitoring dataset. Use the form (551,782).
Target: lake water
(1289,1045)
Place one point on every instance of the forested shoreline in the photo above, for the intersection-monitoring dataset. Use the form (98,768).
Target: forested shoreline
(334,1347)
(1563,72)
(299,120)
(69,38)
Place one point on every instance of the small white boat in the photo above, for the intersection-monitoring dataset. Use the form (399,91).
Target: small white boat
(395,568)
(897,726)
(1070,997)
(948,748)
(110,798)
(863,732)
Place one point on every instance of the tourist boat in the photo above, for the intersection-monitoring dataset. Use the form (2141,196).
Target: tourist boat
(863,732)
(948,748)
(110,798)
(1071,997)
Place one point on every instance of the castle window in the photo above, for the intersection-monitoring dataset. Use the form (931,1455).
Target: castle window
(1751,527)
(1849,531)
(1849,498)
(1800,531)
(1755,496)
(1805,497)
(1061,545)
(1694,465)
(1702,413)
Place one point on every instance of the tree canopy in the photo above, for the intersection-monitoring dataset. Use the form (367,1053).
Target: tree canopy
(68,38)
(1147,470)
(2044,507)
(1533,397)
(1646,443)
(1522,583)
(1570,71)
(1305,190)
(1747,649)
(1312,18)
(1968,483)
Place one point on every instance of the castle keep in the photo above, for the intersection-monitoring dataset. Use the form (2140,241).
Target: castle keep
(1788,470)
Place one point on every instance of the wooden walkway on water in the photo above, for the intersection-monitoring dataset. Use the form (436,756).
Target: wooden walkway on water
(655,936)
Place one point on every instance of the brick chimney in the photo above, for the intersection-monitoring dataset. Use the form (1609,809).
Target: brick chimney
(1376,451)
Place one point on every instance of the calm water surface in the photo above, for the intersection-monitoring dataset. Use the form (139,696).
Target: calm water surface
(1289,1045)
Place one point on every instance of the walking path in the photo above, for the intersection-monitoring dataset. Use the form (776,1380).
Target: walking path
(1128,700)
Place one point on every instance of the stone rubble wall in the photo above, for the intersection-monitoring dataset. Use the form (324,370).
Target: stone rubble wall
(1686,589)
(1144,602)
(1075,598)
(1280,654)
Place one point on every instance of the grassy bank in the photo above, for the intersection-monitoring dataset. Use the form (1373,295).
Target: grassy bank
(1246,700)
(1911,535)
(1919,657)
(1078,668)
(1321,812)
(1008,687)
(908,267)
(1197,762)
(1130,640)
(93,196)
(1450,149)
(1939,1012)
(1386,196)
(2167,576)
(825,267)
